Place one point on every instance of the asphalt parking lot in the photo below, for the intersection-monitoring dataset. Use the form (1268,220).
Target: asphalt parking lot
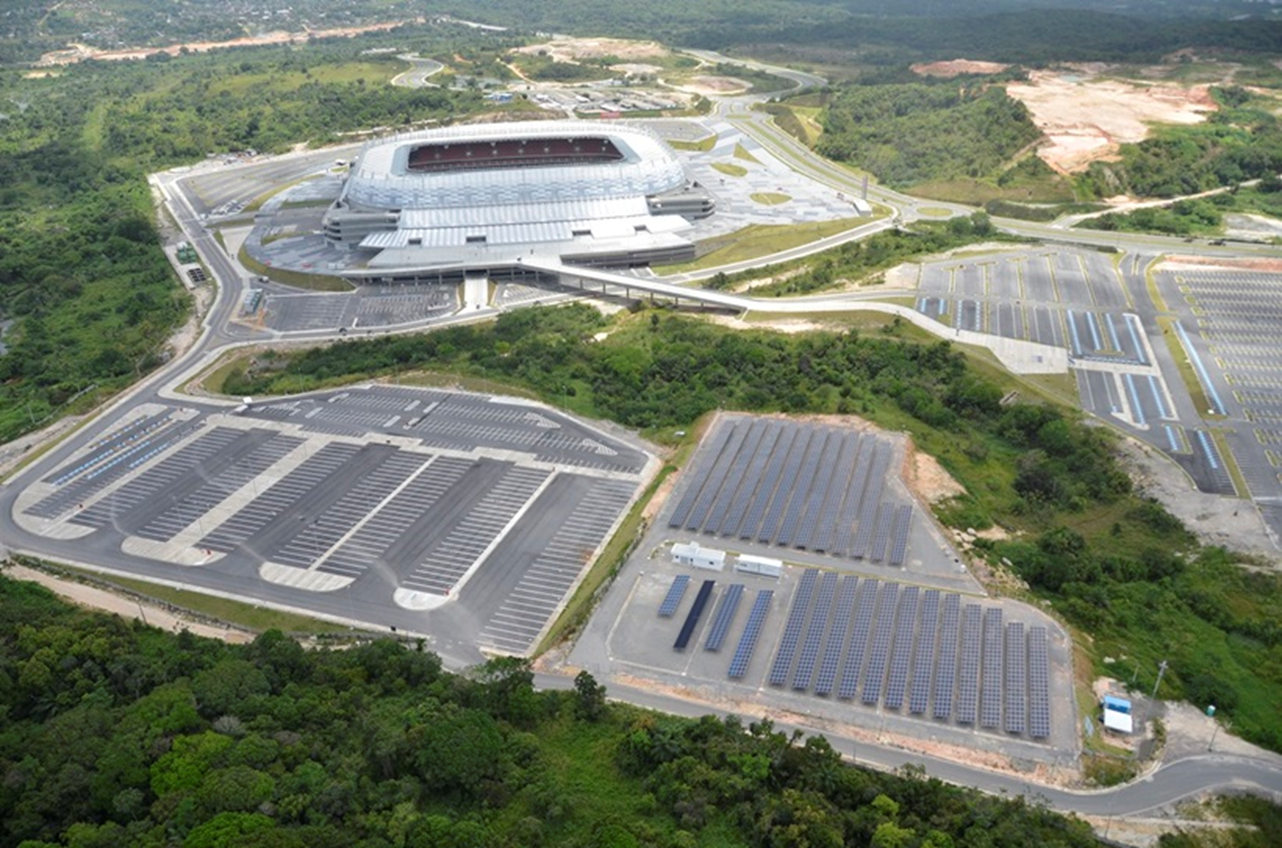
(463,517)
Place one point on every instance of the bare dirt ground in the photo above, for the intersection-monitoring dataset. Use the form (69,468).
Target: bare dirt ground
(101,599)
(1086,118)
(12,453)
(1201,263)
(927,479)
(957,67)
(572,49)
(1235,524)
(1251,227)
(799,325)
(80,52)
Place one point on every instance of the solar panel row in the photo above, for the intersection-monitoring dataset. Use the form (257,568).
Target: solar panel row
(791,470)
(858,639)
(1039,697)
(686,504)
(751,633)
(792,629)
(871,502)
(903,524)
(990,708)
(825,530)
(868,450)
(897,679)
(734,476)
(814,633)
(774,471)
(692,617)
(923,659)
(802,530)
(713,481)
(875,674)
(724,617)
(1015,683)
(968,673)
(881,534)
(676,592)
(752,480)
(802,493)
(837,635)
(946,668)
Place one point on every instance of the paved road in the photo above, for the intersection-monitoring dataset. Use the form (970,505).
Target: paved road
(416,76)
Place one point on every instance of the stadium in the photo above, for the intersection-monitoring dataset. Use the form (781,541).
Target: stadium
(484,196)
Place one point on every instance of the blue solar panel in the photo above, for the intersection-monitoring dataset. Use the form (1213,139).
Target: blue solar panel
(990,706)
(924,657)
(733,484)
(858,639)
(837,636)
(799,523)
(792,630)
(897,678)
(692,617)
(774,514)
(881,536)
(825,531)
(875,673)
(1015,684)
(751,632)
(814,633)
(724,618)
(769,481)
(845,529)
(716,478)
(676,592)
(968,672)
(871,502)
(691,495)
(903,524)
(752,481)
(805,488)
(946,669)
(1039,692)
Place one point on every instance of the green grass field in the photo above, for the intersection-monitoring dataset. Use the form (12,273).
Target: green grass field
(760,240)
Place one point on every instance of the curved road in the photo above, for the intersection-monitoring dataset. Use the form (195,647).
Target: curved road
(420,70)
(1176,780)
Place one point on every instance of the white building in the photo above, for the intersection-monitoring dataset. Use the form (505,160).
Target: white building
(698,557)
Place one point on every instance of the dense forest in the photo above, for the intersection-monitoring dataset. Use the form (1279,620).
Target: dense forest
(1115,564)
(115,734)
(911,133)
(83,280)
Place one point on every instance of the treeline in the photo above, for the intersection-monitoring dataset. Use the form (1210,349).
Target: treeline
(912,133)
(1241,141)
(115,734)
(83,280)
(1115,564)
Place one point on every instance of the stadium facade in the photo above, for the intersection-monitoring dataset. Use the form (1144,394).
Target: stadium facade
(484,195)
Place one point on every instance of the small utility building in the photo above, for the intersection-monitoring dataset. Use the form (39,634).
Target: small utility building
(697,557)
(1117,715)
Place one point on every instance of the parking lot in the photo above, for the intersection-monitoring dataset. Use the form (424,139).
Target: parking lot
(418,509)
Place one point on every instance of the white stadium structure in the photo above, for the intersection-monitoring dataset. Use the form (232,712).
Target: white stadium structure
(484,196)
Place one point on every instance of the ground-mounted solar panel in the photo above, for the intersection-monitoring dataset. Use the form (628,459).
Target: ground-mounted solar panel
(800,528)
(924,655)
(836,642)
(901,653)
(1039,690)
(850,669)
(792,629)
(676,592)
(692,617)
(751,482)
(1016,684)
(847,519)
(903,525)
(814,633)
(968,667)
(687,502)
(733,481)
(872,503)
(751,633)
(946,666)
(881,534)
(825,530)
(716,477)
(990,706)
(805,487)
(767,490)
(724,618)
(875,673)
(787,482)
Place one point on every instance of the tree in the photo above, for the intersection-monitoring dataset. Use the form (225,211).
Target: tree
(589,702)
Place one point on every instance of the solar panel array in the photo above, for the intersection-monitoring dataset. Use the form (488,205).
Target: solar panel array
(968,670)
(1016,661)
(858,639)
(751,633)
(792,630)
(946,669)
(875,674)
(815,632)
(897,679)
(990,707)
(692,617)
(724,617)
(923,659)
(1039,694)
(845,607)
(805,486)
(676,592)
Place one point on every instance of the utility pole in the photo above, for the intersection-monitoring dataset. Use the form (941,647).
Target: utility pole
(1161,669)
